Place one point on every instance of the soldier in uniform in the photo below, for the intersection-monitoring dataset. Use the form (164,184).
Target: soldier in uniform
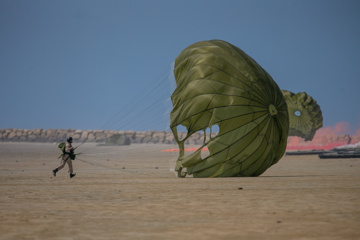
(67,158)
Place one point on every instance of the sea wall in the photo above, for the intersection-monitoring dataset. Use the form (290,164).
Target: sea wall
(99,136)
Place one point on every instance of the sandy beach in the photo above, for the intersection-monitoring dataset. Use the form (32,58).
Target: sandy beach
(130,192)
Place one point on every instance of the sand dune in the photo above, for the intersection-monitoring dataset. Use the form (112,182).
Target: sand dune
(130,193)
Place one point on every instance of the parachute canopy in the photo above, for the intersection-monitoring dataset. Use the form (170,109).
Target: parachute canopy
(305,115)
(218,84)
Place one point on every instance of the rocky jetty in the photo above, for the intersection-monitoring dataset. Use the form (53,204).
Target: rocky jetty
(98,136)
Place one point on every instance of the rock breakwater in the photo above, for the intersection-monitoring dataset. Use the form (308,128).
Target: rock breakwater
(99,136)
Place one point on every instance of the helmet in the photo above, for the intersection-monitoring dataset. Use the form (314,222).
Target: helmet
(69,139)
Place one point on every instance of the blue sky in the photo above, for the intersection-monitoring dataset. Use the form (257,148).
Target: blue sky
(86,64)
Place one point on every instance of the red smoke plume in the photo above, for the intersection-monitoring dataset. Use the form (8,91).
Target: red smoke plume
(326,138)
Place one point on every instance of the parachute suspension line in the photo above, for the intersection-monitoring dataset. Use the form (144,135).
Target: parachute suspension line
(80,144)
(127,106)
(165,100)
(172,78)
(104,166)
(148,108)
(168,102)
(154,118)
(135,100)
(130,113)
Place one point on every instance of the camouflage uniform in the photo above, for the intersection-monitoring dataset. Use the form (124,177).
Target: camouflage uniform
(69,151)
(66,158)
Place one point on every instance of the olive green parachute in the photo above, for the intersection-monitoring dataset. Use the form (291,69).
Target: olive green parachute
(218,84)
(305,115)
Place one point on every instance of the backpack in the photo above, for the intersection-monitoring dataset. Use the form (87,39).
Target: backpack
(62,146)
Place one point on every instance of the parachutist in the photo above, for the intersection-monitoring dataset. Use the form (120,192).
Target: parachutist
(67,157)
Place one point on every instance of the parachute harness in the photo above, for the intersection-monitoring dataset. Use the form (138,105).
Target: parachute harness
(72,155)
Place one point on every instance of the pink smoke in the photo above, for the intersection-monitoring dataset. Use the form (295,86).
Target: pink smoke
(326,138)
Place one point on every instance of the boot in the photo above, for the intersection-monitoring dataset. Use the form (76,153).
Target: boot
(54,172)
(72,175)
